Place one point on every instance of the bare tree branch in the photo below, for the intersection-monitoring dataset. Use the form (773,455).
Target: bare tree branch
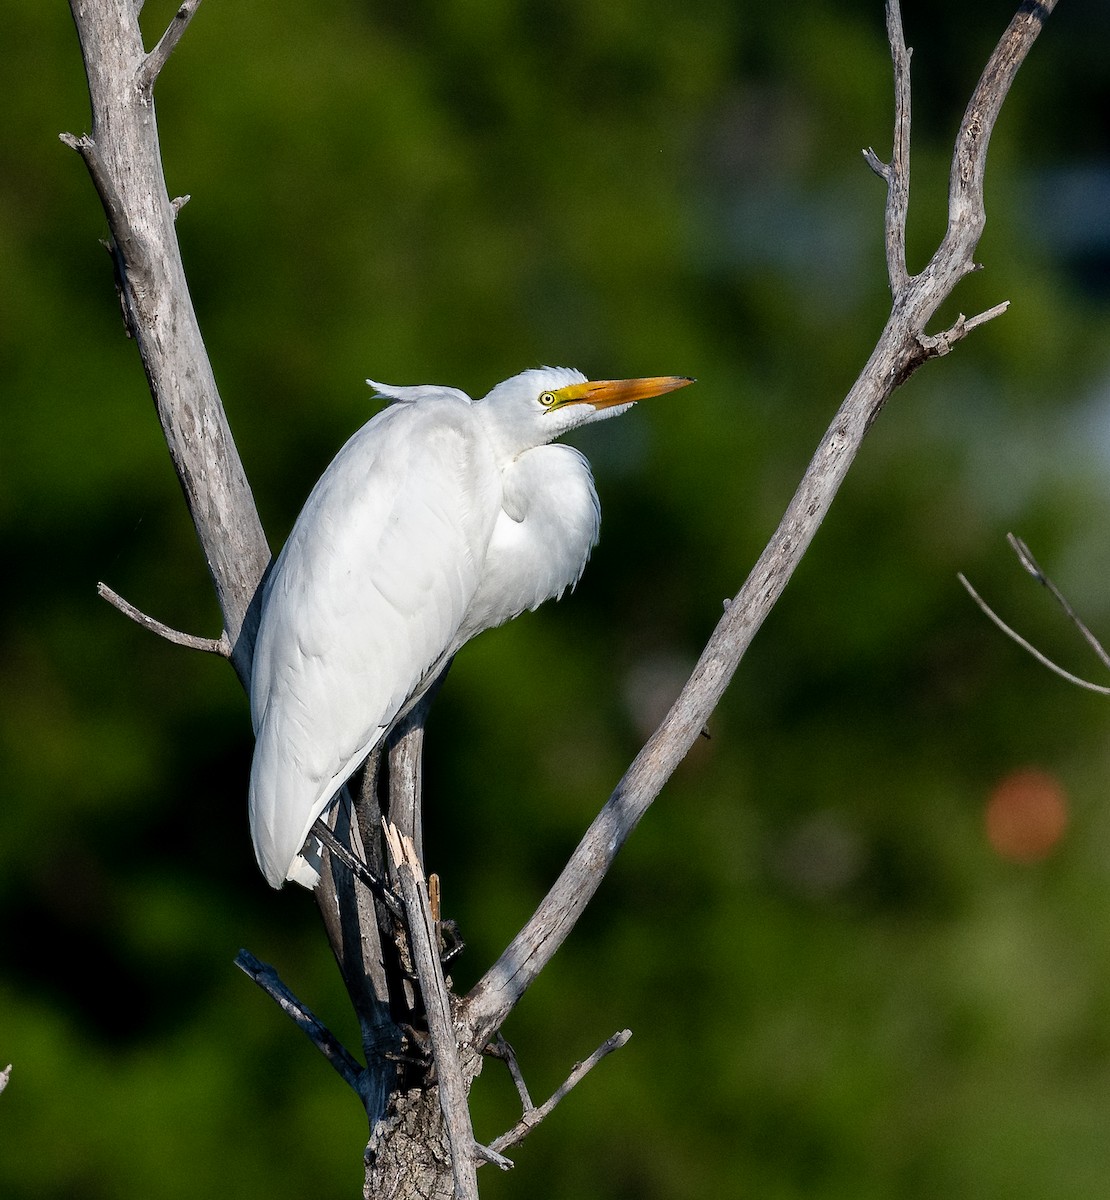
(437,1007)
(124,161)
(1025,557)
(966,207)
(321,1037)
(533,1116)
(357,867)
(1043,659)
(1030,564)
(939,344)
(345,898)
(127,242)
(897,171)
(5,1075)
(500,1048)
(902,347)
(219,645)
(167,43)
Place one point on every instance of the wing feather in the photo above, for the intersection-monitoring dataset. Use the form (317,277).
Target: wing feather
(365,599)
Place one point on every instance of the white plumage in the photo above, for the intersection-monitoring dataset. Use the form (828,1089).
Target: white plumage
(441,517)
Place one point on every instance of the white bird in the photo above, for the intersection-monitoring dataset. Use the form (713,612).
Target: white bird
(441,517)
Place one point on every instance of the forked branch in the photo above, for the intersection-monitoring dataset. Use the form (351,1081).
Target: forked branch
(534,1114)
(1025,557)
(902,347)
(167,43)
(1031,565)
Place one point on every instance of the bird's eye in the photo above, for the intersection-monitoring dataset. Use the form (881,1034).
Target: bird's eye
(547,399)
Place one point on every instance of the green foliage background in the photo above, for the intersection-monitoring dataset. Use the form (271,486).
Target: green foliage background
(837,989)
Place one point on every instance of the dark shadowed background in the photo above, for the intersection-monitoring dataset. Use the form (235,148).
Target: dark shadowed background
(862,939)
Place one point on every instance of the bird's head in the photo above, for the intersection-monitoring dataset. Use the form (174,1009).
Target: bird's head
(537,406)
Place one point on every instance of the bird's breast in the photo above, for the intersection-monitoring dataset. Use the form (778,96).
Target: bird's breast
(547,525)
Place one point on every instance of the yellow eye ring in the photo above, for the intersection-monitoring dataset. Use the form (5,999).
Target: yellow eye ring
(547,399)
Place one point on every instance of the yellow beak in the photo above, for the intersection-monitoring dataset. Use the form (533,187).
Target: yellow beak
(606,393)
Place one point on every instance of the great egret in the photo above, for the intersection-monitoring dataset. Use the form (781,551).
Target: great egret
(441,517)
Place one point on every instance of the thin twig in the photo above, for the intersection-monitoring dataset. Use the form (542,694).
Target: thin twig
(533,1116)
(488,1154)
(5,1075)
(1025,557)
(982,318)
(500,1048)
(437,1006)
(321,1037)
(167,43)
(219,645)
(1028,646)
(896,173)
(939,344)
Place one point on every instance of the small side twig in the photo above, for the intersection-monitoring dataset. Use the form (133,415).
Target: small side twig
(1043,659)
(533,1116)
(220,645)
(167,43)
(344,1062)
(938,344)
(996,310)
(500,1048)
(5,1075)
(1025,557)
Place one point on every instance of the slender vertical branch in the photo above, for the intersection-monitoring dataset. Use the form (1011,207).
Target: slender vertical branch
(437,1006)
(896,173)
(123,157)
(898,196)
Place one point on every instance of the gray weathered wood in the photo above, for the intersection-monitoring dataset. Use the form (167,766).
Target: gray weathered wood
(124,159)
(451,1083)
(902,347)
(410,1148)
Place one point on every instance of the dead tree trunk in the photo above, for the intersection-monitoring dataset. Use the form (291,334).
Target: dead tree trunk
(422,1046)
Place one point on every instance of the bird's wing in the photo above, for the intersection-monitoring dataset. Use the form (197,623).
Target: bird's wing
(364,600)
